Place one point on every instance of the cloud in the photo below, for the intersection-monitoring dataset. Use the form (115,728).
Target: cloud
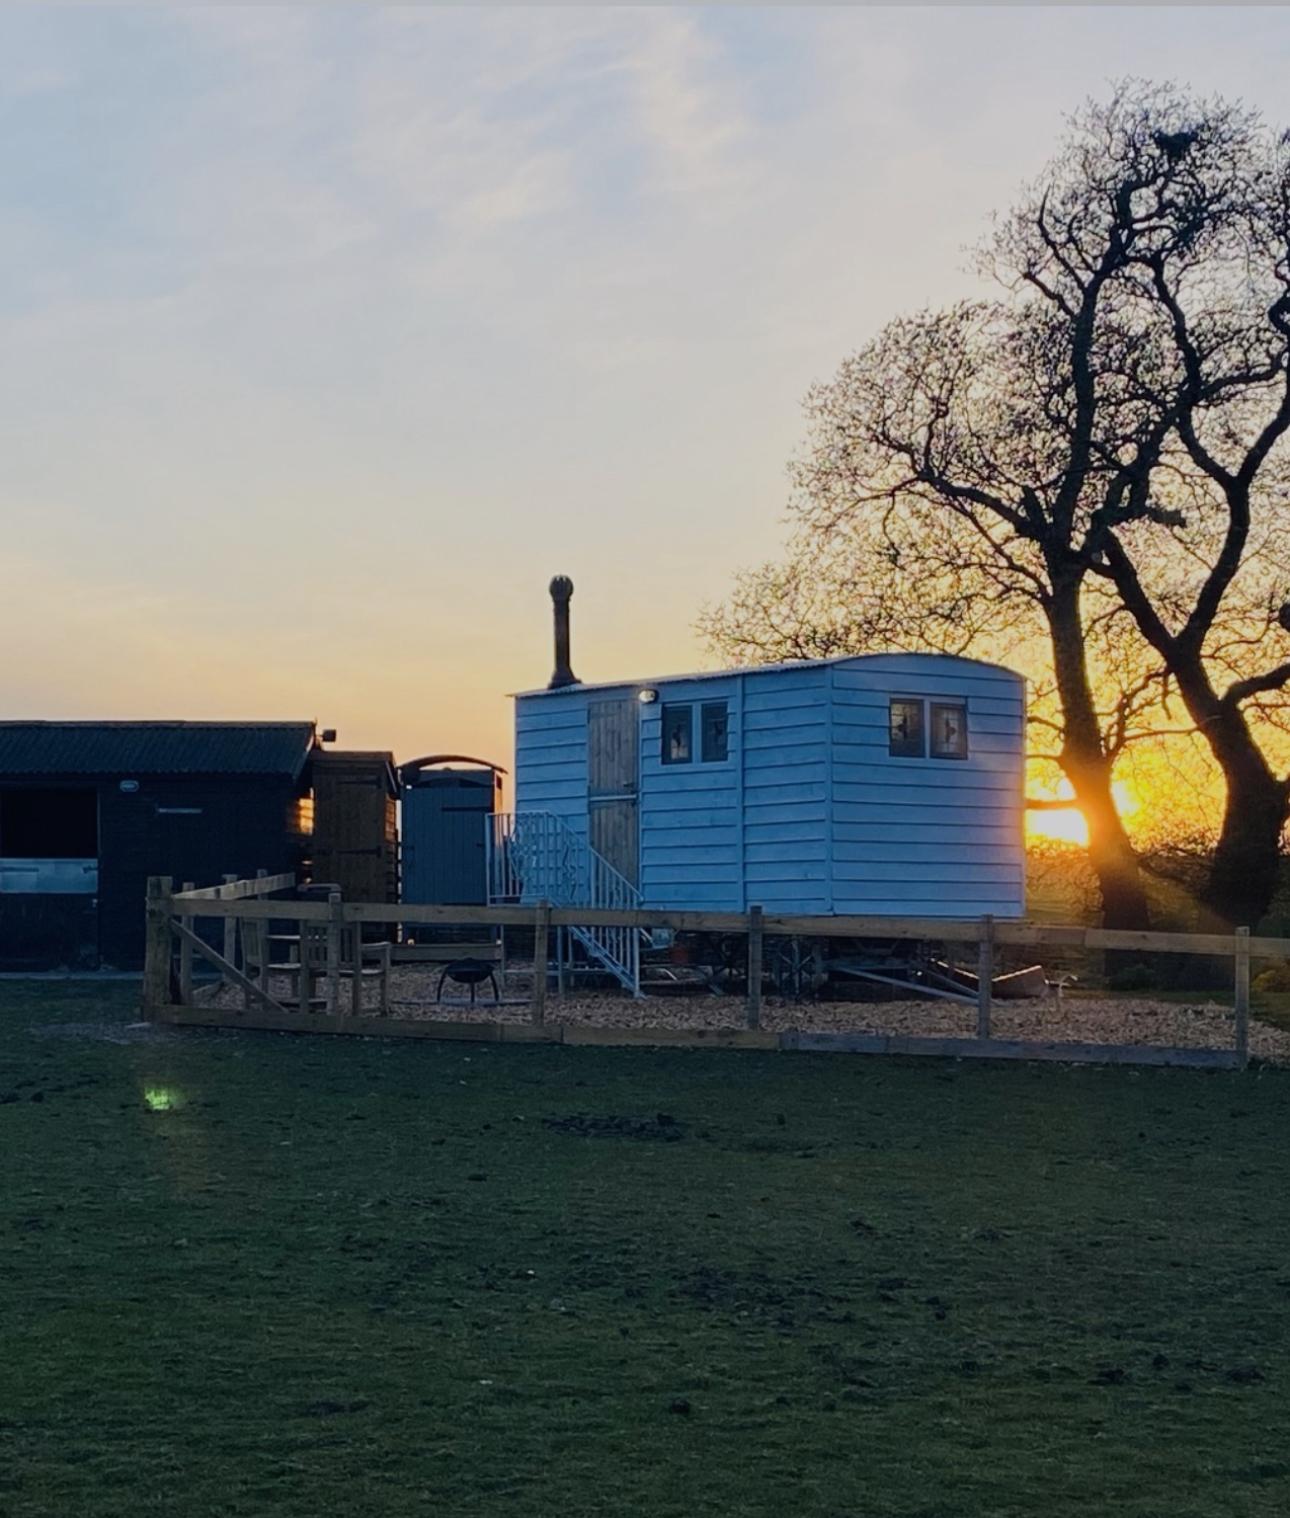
(689,107)
(350,325)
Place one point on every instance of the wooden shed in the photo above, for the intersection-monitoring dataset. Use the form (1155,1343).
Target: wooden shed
(88,810)
(355,823)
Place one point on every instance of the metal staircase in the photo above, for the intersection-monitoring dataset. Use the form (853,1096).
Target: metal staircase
(537,856)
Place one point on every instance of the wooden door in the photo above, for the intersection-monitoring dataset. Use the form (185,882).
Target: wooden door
(613,783)
(443,837)
(355,832)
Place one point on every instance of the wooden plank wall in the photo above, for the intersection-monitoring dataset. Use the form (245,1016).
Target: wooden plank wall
(786,789)
(551,756)
(809,812)
(355,840)
(691,813)
(192,828)
(928,837)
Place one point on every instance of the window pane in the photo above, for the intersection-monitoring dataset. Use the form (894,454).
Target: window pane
(949,730)
(49,824)
(678,745)
(907,729)
(716,744)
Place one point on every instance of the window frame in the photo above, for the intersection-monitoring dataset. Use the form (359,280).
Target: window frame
(705,707)
(676,706)
(961,707)
(909,751)
(924,747)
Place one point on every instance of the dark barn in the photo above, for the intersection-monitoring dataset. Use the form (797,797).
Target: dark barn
(88,810)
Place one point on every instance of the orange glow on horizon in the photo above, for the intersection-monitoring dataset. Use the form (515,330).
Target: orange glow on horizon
(1067,824)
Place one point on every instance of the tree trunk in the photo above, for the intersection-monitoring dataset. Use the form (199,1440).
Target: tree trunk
(1111,855)
(1244,872)
(1084,760)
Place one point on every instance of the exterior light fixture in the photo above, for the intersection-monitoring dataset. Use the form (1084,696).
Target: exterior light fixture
(129,787)
(646,696)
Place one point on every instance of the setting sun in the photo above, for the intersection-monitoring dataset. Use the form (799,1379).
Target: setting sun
(1067,824)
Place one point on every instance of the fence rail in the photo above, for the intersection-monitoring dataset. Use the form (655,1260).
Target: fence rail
(171,916)
(935,929)
(239,890)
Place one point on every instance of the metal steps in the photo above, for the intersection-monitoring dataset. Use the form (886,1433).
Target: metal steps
(537,856)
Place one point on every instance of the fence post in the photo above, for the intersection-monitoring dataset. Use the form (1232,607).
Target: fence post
(186,960)
(356,990)
(1243,995)
(985,976)
(755,916)
(266,934)
(541,935)
(156,949)
(230,935)
(336,913)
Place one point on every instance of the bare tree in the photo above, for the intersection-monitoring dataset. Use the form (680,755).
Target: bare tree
(1002,465)
(963,444)
(1195,198)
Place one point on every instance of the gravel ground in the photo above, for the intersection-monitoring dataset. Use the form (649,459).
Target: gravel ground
(1077,1019)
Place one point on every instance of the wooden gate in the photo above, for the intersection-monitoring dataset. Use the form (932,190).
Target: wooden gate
(613,784)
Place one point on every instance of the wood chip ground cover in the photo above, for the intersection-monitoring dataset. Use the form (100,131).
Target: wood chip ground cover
(248,1274)
(1080,1018)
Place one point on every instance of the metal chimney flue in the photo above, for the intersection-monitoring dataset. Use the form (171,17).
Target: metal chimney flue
(561,595)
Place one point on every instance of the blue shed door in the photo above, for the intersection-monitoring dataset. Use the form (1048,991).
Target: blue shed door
(613,783)
(443,838)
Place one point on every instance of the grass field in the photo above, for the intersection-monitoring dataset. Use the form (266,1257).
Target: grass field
(271,1275)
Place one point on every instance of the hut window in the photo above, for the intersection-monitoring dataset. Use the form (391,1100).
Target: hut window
(906,729)
(949,730)
(715,742)
(678,734)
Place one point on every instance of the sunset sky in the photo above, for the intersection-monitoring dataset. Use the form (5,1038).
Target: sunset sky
(330,335)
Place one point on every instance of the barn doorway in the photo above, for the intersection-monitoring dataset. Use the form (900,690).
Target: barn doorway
(613,784)
(49,877)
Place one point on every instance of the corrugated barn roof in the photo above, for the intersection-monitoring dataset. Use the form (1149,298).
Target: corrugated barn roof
(154,748)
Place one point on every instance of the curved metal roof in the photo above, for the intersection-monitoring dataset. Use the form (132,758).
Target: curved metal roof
(763,669)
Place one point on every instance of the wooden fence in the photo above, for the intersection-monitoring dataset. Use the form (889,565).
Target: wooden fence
(173,945)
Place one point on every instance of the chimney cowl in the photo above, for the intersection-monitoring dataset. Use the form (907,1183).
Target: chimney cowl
(561,595)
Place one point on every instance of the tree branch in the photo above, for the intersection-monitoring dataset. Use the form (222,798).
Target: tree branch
(1255,685)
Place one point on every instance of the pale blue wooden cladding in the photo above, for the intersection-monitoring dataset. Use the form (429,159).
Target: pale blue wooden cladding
(809,811)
